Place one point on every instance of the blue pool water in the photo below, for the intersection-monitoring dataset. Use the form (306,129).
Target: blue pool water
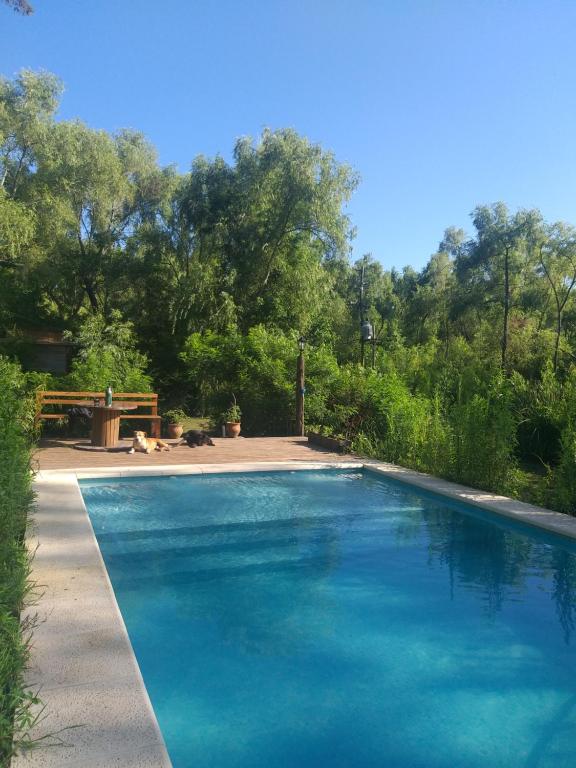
(311,619)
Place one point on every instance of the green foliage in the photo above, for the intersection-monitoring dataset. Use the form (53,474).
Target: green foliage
(541,405)
(106,355)
(260,369)
(17,227)
(564,476)
(16,414)
(468,440)
(175,416)
(484,434)
(233,414)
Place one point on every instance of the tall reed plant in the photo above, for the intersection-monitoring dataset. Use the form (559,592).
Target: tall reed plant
(17,703)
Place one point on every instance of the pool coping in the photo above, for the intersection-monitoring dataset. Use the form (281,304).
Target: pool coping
(83,663)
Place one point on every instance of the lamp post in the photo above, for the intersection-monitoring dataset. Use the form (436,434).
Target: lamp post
(300,389)
(366,330)
(366,335)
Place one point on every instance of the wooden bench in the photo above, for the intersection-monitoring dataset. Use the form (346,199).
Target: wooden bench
(148,400)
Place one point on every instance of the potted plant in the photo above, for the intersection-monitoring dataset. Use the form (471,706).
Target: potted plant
(175,419)
(231,419)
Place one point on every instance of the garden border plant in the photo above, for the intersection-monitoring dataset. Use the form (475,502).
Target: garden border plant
(19,705)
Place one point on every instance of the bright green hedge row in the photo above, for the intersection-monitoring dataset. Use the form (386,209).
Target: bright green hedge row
(17,704)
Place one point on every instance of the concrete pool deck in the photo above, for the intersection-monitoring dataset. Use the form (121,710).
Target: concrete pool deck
(82,660)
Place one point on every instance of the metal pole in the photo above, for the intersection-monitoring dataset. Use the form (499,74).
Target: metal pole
(362,293)
(362,343)
(300,395)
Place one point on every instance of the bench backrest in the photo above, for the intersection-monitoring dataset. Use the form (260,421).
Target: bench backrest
(86,399)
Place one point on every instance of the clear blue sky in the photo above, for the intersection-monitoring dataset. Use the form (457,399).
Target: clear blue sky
(439,105)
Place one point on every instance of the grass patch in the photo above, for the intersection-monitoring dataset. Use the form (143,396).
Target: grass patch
(202,423)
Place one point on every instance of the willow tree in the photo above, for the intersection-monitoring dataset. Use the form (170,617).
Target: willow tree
(273,218)
(179,284)
(494,264)
(93,190)
(555,247)
(27,107)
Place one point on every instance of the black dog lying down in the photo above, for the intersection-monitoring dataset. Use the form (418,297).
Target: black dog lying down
(194,438)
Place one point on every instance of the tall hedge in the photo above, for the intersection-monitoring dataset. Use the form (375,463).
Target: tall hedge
(16,702)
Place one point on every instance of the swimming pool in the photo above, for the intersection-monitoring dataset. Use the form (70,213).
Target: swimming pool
(336,618)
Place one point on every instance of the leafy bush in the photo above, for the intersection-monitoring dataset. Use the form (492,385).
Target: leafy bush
(16,419)
(107,355)
(260,369)
(233,414)
(174,416)
(468,440)
(562,478)
(484,435)
(542,409)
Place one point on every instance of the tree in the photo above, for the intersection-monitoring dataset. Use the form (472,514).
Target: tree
(27,107)
(556,261)
(495,262)
(93,190)
(429,314)
(280,216)
(179,283)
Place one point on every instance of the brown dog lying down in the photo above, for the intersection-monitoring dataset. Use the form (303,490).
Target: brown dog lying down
(194,438)
(147,444)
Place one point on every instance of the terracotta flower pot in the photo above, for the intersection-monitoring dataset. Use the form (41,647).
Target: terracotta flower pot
(175,430)
(232,428)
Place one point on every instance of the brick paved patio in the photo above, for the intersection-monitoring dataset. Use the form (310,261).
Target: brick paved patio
(60,454)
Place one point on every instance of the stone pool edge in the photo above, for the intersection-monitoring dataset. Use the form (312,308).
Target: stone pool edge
(528,514)
(82,659)
(97,712)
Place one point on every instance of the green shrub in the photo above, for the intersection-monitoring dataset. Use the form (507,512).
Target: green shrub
(563,477)
(259,368)
(16,419)
(233,414)
(542,409)
(484,434)
(470,440)
(175,416)
(107,355)
(437,455)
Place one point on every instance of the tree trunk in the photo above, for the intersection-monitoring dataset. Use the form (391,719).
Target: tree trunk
(557,341)
(91,293)
(17,174)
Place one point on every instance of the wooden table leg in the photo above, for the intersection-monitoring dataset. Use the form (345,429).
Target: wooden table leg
(105,427)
